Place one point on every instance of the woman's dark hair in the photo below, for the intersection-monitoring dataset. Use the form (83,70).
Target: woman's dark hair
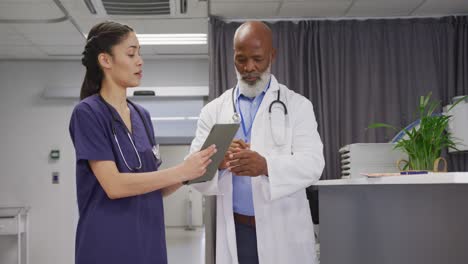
(101,38)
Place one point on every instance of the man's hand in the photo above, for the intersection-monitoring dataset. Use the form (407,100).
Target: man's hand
(236,145)
(247,163)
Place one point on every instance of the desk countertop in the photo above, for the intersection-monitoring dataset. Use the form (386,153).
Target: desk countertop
(432,178)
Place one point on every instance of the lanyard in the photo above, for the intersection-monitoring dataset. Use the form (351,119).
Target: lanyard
(244,128)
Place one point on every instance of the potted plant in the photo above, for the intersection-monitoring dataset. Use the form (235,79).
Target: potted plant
(424,144)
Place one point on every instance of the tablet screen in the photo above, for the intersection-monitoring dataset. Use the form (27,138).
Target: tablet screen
(221,135)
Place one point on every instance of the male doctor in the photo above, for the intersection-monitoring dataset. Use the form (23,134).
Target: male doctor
(263,215)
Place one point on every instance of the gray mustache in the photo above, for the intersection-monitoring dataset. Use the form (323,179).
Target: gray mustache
(250,75)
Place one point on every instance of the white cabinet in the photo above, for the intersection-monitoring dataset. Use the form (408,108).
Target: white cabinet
(14,222)
(8,226)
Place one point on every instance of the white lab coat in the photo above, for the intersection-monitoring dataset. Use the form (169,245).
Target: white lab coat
(283,221)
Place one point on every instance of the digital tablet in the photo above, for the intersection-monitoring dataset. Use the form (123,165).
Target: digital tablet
(221,135)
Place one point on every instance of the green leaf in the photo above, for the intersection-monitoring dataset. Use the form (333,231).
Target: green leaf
(425,143)
(457,102)
(379,125)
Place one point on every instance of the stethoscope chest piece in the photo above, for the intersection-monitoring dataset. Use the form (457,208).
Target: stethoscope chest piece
(156,153)
(236,118)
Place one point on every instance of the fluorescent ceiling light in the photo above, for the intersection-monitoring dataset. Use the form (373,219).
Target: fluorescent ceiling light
(172,39)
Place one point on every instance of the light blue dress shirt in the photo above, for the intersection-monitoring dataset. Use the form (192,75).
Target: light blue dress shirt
(241,185)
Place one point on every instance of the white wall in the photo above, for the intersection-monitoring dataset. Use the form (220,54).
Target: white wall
(176,211)
(30,126)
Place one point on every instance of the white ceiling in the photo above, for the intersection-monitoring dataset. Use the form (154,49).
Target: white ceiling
(279,9)
(53,29)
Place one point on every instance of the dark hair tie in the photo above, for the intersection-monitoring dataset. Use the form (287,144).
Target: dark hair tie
(91,39)
(85,60)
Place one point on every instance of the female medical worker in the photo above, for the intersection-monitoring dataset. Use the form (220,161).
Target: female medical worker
(118,186)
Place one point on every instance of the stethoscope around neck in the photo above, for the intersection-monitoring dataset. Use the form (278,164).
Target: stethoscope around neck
(236,117)
(152,140)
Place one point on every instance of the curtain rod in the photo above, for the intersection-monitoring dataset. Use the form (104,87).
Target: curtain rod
(296,19)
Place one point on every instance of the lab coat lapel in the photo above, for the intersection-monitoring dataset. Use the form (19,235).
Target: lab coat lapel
(270,96)
(261,116)
(227,110)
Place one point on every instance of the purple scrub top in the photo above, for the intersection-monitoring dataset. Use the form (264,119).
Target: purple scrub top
(120,231)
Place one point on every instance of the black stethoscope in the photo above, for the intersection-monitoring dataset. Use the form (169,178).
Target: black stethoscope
(236,117)
(152,140)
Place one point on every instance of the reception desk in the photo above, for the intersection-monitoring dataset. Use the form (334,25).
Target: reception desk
(411,219)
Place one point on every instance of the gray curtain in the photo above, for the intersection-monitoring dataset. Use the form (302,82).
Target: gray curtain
(460,161)
(357,72)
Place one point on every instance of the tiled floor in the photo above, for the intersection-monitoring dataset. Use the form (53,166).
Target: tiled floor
(189,246)
(185,246)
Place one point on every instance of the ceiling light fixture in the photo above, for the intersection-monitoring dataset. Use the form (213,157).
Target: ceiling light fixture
(172,39)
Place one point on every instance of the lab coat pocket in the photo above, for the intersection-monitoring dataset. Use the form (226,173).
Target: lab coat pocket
(281,150)
(264,185)
(298,195)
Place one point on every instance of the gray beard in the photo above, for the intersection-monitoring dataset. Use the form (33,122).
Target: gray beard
(255,89)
